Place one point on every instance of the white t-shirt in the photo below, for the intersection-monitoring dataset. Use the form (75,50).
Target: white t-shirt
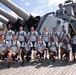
(8,34)
(39,45)
(67,46)
(14,45)
(56,35)
(32,36)
(53,46)
(3,45)
(65,36)
(74,40)
(21,35)
(27,46)
(45,36)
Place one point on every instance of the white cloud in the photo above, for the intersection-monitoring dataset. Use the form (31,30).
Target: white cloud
(37,12)
(26,3)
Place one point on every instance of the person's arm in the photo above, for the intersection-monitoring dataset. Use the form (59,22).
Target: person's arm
(25,34)
(44,46)
(57,46)
(36,49)
(9,50)
(5,50)
(18,50)
(31,45)
(69,48)
(35,45)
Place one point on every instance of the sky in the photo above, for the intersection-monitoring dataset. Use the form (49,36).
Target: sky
(36,7)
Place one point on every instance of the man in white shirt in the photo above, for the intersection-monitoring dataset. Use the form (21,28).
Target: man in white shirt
(40,46)
(65,35)
(55,34)
(32,35)
(3,48)
(13,50)
(8,33)
(21,34)
(45,37)
(65,49)
(53,49)
(26,50)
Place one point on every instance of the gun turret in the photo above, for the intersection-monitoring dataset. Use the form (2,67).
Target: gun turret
(4,20)
(28,18)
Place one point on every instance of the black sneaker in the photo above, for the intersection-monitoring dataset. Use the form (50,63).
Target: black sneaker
(9,64)
(35,62)
(22,63)
(46,58)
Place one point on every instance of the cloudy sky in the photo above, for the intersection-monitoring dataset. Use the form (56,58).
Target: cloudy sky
(36,7)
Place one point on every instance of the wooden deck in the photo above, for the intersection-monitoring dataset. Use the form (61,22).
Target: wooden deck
(43,68)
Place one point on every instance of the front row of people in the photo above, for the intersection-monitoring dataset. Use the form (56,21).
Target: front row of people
(10,50)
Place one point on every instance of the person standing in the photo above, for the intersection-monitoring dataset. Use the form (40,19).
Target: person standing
(55,34)
(8,33)
(21,34)
(32,36)
(45,37)
(3,48)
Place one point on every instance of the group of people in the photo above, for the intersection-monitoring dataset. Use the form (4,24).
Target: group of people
(20,43)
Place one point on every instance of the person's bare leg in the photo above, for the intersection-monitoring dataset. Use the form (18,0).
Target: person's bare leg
(9,59)
(34,55)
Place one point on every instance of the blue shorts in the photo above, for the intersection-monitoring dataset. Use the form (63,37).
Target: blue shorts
(14,57)
(2,57)
(46,44)
(53,53)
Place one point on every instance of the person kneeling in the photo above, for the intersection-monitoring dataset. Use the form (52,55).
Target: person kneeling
(53,49)
(3,48)
(26,50)
(65,49)
(13,50)
(40,46)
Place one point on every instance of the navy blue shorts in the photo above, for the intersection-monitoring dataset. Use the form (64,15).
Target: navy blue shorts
(41,54)
(33,42)
(14,57)
(46,44)
(74,48)
(4,56)
(53,53)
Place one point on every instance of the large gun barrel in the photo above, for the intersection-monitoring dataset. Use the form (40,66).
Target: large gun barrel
(8,15)
(29,19)
(4,20)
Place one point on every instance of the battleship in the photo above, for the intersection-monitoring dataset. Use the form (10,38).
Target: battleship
(64,17)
